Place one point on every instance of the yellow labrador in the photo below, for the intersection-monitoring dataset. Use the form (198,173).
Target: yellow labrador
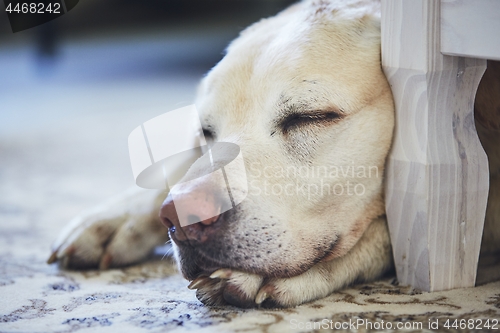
(304,96)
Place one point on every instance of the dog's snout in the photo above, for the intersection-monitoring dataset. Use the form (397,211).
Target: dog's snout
(190,216)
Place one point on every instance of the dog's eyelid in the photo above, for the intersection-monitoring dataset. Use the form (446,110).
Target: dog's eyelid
(329,114)
(298,120)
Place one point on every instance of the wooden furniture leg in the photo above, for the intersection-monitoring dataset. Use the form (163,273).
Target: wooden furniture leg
(437,172)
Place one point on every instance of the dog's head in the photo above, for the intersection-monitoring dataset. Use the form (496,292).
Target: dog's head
(304,97)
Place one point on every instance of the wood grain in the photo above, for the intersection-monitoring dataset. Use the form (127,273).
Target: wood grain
(437,172)
(471,28)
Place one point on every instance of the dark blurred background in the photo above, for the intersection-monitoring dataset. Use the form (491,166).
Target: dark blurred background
(73,89)
(115,43)
(186,19)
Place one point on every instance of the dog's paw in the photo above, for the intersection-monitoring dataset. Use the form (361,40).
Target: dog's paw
(246,290)
(293,291)
(122,232)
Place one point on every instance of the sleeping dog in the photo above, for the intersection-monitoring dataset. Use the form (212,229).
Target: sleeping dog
(304,96)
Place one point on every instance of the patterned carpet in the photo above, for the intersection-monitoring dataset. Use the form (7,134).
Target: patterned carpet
(152,297)
(62,151)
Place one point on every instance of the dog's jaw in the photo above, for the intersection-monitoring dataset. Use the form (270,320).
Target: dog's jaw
(256,250)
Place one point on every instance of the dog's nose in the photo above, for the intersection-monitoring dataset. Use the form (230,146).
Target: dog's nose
(184,217)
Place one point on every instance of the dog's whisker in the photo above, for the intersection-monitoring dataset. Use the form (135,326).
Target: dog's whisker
(223,273)
(168,253)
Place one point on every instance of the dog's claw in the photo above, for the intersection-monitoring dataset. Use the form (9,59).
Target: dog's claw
(261,297)
(65,258)
(65,261)
(53,258)
(223,273)
(198,282)
(105,261)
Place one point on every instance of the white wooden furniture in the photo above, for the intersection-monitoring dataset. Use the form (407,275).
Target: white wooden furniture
(437,172)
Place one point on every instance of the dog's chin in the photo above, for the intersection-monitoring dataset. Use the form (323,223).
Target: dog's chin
(194,263)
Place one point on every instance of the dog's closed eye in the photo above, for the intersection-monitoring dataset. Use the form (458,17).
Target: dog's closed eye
(208,134)
(297,121)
